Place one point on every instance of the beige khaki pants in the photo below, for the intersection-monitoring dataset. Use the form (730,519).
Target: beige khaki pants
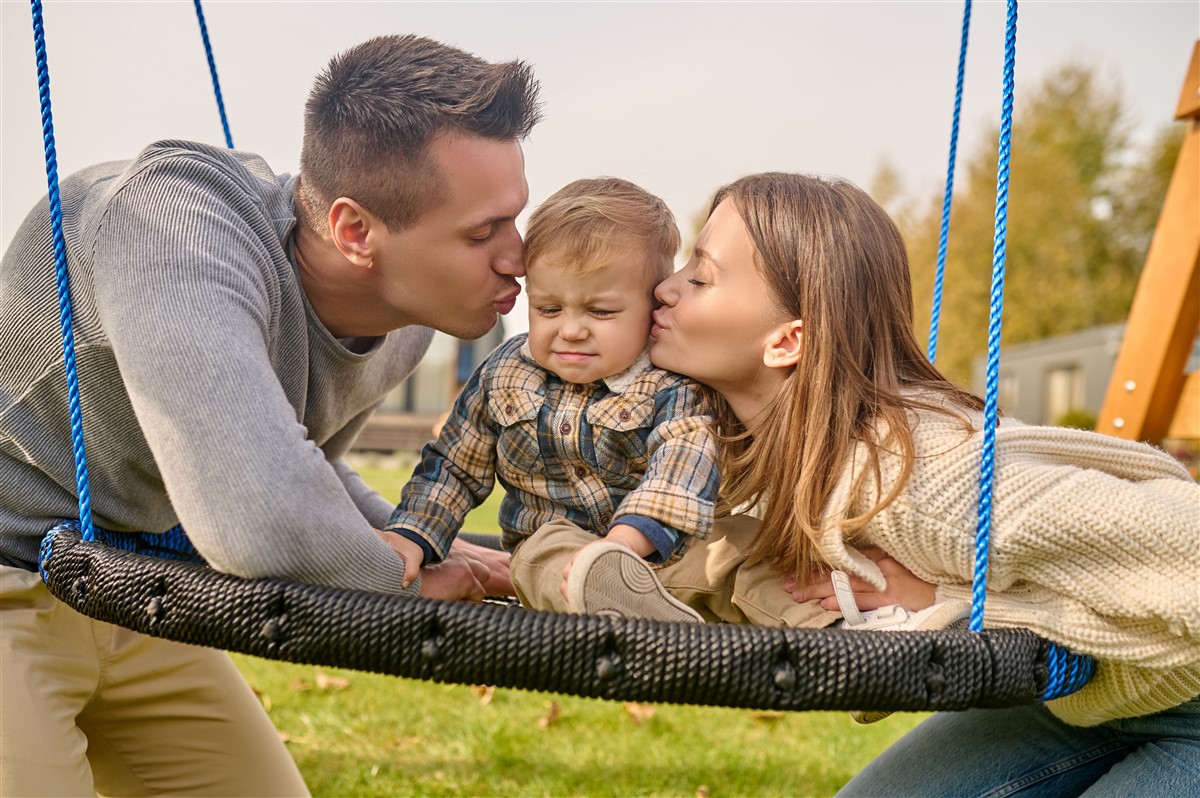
(88,707)
(711,577)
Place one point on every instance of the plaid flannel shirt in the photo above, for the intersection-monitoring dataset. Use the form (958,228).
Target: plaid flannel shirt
(634,448)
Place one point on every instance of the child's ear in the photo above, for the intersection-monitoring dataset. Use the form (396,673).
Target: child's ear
(783,345)
(350,224)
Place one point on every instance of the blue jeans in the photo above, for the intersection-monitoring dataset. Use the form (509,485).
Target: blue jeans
(1028,752)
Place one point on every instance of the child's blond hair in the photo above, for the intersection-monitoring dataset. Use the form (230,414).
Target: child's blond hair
(595,221)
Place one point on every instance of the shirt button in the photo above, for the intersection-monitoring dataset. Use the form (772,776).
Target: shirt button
(580,472)
(564,428)
(604,519)
(623,415)
(576,388)
(508,409)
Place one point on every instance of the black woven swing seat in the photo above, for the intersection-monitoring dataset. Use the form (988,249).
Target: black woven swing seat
(593,656)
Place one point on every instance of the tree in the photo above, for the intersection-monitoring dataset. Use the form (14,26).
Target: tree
(1080,215)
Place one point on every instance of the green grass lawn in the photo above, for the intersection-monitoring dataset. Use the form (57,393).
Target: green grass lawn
(357,734)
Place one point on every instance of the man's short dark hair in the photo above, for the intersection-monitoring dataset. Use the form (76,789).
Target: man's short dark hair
(372,112)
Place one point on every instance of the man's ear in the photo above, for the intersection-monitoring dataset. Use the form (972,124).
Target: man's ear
(350,225)
(783,345)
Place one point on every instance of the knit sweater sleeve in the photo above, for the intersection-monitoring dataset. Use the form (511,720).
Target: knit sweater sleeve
(1094,545)
(187,295)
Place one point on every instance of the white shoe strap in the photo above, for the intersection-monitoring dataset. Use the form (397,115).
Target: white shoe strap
(845,599)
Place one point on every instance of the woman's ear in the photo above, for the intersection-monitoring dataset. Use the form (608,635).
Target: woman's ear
(350,224)
(783,345)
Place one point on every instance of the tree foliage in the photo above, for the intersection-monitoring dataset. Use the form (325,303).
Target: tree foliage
(1082,208)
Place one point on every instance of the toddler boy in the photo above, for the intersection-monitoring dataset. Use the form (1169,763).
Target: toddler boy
(587,438)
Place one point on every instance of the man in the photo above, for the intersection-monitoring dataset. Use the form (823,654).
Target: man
(234,329)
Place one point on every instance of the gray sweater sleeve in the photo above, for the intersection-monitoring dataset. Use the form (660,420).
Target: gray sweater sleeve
(186,294)
(374,507)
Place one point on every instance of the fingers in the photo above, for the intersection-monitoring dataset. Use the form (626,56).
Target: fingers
(566,572)
(408,552)
(496,578)
(452,579)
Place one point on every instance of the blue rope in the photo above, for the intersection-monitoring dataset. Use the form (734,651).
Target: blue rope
(1068,672)
(935,317)
(990,410)
(171,545)
(60,265)
(212,68)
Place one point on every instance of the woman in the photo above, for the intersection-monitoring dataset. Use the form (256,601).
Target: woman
(796,309)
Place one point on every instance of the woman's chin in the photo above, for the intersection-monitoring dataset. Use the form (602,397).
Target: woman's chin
(661,356)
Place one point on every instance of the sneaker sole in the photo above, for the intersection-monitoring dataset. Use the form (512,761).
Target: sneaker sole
(610,579)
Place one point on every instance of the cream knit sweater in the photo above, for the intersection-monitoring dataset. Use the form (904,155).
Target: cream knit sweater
(1095,544)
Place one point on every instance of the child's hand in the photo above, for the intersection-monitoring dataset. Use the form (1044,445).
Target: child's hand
(632,537)
(409,552)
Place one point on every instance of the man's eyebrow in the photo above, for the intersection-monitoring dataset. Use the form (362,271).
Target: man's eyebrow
(490,221)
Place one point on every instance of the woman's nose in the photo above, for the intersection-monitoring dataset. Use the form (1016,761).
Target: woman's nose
(665,292)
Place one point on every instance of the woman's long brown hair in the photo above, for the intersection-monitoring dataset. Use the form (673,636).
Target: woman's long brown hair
(835,260)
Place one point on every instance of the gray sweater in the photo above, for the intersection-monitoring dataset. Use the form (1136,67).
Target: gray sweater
(212,396)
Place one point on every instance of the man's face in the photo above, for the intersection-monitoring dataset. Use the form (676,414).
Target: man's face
(455,268)
(584,327)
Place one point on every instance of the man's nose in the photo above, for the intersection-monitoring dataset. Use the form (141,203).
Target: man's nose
(510,259)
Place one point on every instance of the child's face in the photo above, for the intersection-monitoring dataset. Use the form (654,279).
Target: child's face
(584,327)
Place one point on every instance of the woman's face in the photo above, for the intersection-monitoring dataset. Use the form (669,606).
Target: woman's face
(718,319)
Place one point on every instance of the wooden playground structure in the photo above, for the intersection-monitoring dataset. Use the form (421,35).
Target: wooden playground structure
(1149,396)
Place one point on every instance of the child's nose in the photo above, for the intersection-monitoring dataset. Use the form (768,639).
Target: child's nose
(573,330)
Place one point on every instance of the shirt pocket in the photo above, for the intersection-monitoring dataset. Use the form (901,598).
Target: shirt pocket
(516,413)
(621,425)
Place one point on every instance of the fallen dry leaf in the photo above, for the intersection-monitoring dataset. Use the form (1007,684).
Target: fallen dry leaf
(702,791)
(553,710)
(768,717)
(483,693)
(638,712)
(331,682)
(299,685)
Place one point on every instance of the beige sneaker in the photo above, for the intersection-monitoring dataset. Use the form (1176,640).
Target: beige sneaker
(610,579)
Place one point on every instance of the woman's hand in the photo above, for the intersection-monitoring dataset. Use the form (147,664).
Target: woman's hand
(903,587)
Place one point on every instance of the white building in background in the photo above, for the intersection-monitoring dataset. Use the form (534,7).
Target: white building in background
(445,368)
(1042,381)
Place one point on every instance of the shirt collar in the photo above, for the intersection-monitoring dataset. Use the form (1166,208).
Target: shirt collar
(617,383)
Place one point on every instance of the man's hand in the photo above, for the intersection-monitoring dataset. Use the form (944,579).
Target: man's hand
(454,578)
(468,573)
(903,587)
(496,579)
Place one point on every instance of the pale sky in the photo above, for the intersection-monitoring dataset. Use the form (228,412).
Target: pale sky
(679,97)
